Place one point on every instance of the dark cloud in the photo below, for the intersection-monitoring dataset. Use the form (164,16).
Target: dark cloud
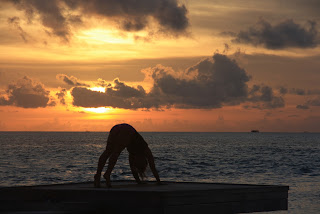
(15,21)
(122,90)
(136,24)
(26,93)
(72,81)
(59,15)
(211,83)
(314,101)
(118,96)
(286,34)
(263,97)
(103,83)
(50,14)
(283,90)
(299,91)
(135,15)
(61,94)
(302,107)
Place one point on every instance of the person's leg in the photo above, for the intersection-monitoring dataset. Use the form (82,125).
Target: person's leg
(102,161)
(112,162)
(120,139)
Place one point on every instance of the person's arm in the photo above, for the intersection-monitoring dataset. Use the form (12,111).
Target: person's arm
(112,162)
(151,164)
(134,171)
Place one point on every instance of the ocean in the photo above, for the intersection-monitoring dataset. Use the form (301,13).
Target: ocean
(293,159)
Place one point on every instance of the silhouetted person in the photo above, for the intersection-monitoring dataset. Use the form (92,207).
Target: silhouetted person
(123,136)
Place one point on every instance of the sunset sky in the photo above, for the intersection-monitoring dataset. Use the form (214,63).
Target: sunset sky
(160,65)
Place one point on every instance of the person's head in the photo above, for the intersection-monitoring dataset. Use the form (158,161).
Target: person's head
(140,163)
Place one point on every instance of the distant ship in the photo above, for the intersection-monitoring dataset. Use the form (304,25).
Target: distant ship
(255,130)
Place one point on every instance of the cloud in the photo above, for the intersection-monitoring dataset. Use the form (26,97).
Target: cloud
(263,97)
(61,96)
(283,90)
(59,16)
(211,83)
(314,102)
(135,15)
(299,91)
(302,107)
(26,93)
(72,81)
(103,83)
(15,21)
(120,89)
(118,95)
(286,34)
(50,13)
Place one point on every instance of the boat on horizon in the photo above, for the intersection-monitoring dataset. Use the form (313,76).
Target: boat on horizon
(255,130)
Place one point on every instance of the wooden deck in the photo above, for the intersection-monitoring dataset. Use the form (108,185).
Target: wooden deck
(128,197)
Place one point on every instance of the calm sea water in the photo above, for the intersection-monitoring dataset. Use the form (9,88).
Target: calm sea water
(29,158)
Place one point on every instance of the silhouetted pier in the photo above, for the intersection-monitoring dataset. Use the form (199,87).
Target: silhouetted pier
(128,197)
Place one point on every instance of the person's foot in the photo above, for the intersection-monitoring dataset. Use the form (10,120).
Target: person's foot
(97,180)
(108,182)
(142,182)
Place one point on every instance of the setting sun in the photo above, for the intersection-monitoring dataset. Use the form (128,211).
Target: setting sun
(99,89)
(99,110)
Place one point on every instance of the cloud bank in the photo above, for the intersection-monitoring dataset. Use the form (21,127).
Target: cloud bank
(212,83)
(26,93)
(286,34)
(58,16)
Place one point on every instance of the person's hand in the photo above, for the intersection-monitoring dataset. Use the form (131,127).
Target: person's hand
(97,180)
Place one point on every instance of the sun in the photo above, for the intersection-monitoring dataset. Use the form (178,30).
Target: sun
(99,110)
(99,89)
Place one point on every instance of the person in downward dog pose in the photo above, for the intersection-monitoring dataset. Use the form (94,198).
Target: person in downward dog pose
(123,136)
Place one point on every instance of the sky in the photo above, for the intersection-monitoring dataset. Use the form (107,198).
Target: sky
(160,65)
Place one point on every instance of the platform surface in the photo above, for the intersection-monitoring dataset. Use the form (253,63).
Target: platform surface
(127,196)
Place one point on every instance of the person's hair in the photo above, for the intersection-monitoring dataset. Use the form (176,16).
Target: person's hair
(141,164)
